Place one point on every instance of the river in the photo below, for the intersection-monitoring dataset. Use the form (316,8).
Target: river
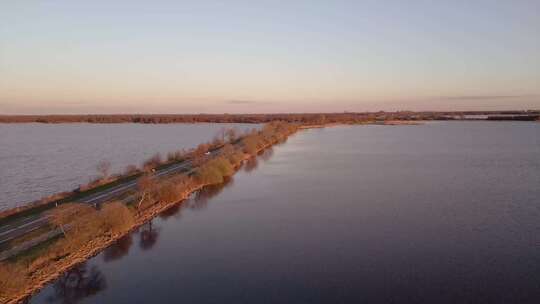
(446,212)
(42,159)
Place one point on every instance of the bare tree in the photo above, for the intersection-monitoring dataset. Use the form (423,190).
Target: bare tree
(222,133)
(104,168)
(148,236)
(152,162)
(231,135)
(66,214)
(145,185)
(131,169)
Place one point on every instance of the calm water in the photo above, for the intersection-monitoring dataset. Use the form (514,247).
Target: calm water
(439,213)
(42,159)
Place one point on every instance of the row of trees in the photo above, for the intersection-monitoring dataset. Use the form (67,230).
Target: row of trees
(307,118)
(83,226)
(211,171)
(224,136)
(82,220)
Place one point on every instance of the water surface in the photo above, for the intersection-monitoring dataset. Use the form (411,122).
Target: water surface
(42,159)
(438,213)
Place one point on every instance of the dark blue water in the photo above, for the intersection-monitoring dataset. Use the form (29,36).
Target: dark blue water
(438,213)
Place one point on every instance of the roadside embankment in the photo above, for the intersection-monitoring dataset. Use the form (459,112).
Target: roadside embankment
(90,230)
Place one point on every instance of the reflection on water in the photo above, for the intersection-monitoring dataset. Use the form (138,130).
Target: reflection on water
(173,211)
(42,159)
(119,249)
(77,284)
(148,236)
(200,201)
(266,154)
(438,213)
(80,283)
(253,163)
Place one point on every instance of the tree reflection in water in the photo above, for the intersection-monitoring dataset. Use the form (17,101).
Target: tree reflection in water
(251,164)
(200,201)
(77,284)
(148,236)
(173,211)
(118,249)
(80,283)
(267,154)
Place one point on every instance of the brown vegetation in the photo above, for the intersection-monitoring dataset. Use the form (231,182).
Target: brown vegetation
(85,224)
(86,230)
(303,118)
(152,162)
(196,154)
(104,168)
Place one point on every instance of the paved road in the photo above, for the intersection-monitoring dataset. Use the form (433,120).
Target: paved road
(20,227)
(30,223)
(118,190)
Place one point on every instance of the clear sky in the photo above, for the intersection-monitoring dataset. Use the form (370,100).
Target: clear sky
(268,56)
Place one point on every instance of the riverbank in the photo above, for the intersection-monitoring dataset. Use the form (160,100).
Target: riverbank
(92,231)
(49,273)
(382,123)
(399,123)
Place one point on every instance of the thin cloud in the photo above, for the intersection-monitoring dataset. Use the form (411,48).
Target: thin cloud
(485,97)
(246,102)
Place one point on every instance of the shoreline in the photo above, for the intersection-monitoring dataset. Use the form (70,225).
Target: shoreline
(50,271)
(59,197)
(367,123)
(45,202)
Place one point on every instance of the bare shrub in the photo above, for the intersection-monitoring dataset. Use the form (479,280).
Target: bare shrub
(12,278)
(231,134)
(115,217)
(217,141)
(67,214)
(80,222)
(250,145)
(152,162)
(130,170)
(179,155)
(201,149)
(146,186)
(104,168)
(214,171)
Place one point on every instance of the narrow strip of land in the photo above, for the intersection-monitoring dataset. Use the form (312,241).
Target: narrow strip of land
(45,240)
(20,226)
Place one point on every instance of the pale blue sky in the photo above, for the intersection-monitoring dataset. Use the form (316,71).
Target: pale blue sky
(268,56)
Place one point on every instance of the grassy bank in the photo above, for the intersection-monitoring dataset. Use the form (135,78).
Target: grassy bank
(87,231)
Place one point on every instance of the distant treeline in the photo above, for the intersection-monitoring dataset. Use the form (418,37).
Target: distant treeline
(305,118)
(514,117)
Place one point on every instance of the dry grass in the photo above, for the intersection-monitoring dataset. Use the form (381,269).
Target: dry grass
(11,280)
(85,224)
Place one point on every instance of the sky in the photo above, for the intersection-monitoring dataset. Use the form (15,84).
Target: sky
(71,57)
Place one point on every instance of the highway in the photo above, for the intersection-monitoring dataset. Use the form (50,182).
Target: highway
(22,226)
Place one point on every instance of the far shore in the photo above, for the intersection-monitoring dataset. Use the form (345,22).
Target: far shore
(381,123)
